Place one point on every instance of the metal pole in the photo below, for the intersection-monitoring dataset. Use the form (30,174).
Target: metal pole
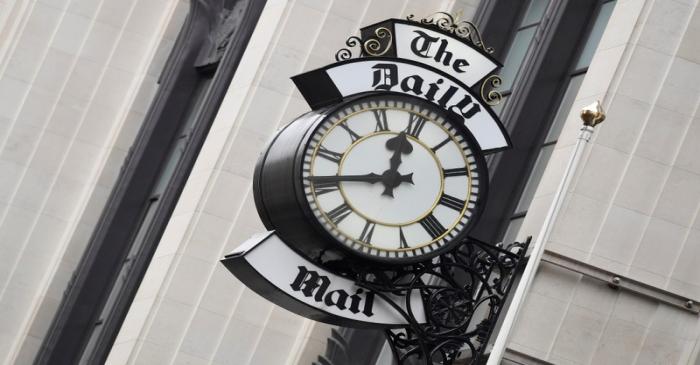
(591,115)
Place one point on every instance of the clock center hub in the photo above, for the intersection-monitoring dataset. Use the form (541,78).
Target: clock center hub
(412,196)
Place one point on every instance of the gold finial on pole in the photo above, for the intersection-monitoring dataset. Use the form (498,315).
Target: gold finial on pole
(593,114)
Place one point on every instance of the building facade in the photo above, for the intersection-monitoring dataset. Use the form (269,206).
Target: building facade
(129,131)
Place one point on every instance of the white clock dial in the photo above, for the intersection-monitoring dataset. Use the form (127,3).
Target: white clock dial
(390,178)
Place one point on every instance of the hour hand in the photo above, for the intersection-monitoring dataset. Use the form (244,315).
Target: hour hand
(400,146)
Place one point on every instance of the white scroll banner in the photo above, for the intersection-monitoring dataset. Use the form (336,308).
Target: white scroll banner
(407,77)
(446,53)
(268,266)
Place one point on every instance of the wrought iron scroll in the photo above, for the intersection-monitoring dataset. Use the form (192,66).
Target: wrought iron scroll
(380,44)
(452,24)
(462,291)
(488,90)
(346,53)
(377,45)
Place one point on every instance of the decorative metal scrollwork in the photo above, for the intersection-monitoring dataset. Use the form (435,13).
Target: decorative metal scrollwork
(491,97)
(463,292)
(380,45)
(377,46)
(346,53)
(452,24)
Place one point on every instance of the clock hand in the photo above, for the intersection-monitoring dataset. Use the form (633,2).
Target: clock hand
(400,145)
(371,178)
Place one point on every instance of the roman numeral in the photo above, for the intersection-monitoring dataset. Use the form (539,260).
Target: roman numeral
(455,172)
(415,125)
(439,145)
(329,155)
(402,239)
(339,213)
(354,136)
(452,202)
(321,188)
(382,123)
(367,231)
(432,226)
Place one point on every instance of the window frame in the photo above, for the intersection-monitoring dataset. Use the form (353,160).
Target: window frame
(197,57)
(528,114)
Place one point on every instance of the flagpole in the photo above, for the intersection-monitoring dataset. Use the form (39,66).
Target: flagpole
(591,115)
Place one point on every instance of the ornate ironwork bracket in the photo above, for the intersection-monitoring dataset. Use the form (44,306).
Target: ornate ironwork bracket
(453,24)
(488,90)
(463,292)
(378,45)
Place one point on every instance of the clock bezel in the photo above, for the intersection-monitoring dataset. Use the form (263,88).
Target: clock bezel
(311,218)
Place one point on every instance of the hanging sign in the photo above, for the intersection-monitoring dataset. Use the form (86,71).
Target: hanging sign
(273,270)
(369,198)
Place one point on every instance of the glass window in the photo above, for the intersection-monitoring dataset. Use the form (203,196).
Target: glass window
(118,285)
(534,12)
(534,179)
(169,168)
(595,35)
(566,102)
(516,55)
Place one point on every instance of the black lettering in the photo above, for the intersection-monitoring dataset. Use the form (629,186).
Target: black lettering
(339,301)
(462,171)
(457,66)
(442,55)
(385,76)
(339,213)
(369,301)
(367,231)
(432,89)
(452,202)
(417,86)
(415,125)
(353,136)
(473,110)
(447,96)
(402,239)
(330,155)
(382,123)
(321,188)
(433,226)
(420,45)
(465,102)
(355,301)
(439,145)
(308,281)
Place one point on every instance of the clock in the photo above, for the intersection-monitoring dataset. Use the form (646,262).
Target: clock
(382,177)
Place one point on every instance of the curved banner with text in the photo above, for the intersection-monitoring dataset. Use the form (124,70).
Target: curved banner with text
(273,270)
(448,54)
(334,82)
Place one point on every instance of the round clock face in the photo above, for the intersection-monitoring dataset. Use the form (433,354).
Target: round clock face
(392,178)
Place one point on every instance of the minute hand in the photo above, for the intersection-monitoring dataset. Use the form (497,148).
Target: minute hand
(371,178)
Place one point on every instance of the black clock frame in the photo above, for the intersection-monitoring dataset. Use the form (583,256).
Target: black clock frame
(280,199)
